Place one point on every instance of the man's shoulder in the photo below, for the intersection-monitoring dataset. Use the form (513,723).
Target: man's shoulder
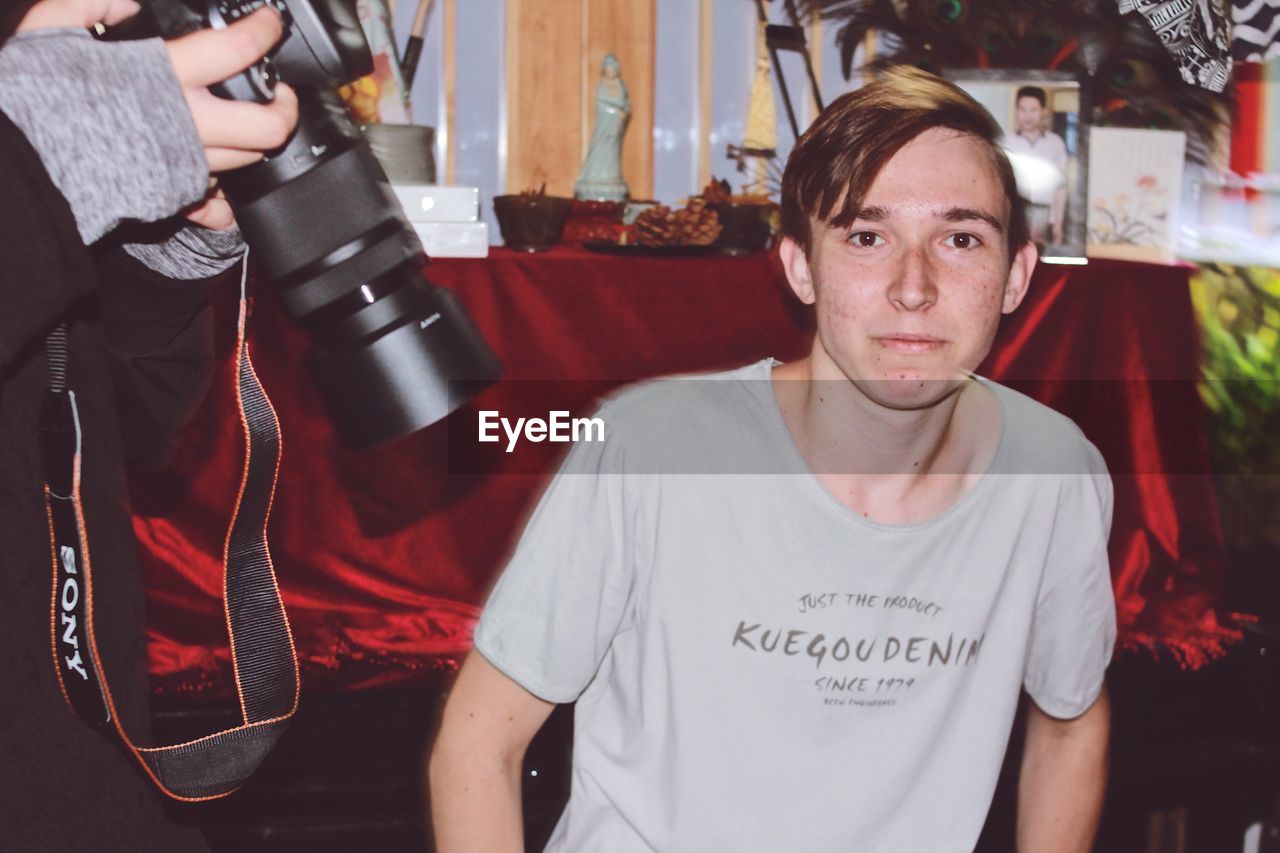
(1039,439)
(668,394)
(695,421)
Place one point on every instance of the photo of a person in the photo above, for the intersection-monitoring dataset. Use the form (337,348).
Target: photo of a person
(1039,158)
(1044,137)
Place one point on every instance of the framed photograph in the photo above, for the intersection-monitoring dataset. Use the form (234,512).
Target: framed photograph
(1044,118)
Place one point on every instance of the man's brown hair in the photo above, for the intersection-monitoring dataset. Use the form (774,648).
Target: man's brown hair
(842,152)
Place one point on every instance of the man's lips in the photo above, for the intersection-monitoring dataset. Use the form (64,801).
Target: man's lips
(910,343)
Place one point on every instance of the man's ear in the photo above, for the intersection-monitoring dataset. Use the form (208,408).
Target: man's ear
(796,266)
(1024,263)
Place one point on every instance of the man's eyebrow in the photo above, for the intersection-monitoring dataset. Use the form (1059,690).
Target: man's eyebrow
(873,213)
(877,213)
(968,214)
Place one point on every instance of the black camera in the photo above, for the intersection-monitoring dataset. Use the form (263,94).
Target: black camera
(395,354)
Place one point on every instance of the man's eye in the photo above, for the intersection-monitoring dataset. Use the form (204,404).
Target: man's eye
(866,239)
(964,241)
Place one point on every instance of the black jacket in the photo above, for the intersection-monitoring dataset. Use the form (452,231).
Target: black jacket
(140,360)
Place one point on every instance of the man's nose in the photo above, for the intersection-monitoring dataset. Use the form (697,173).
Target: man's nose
(913,287)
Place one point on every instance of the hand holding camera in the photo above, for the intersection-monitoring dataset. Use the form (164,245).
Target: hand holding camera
(394,354)
(234,133)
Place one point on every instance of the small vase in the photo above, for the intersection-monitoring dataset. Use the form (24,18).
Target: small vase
(530,223)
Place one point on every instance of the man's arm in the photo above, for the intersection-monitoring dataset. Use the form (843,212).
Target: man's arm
(1058,210)
(1058,213)
(1063,779)
(474,772)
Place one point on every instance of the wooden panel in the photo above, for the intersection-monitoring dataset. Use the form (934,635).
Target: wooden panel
(451,90)
(626,28)
(705,66)
(815,37)
(544,93)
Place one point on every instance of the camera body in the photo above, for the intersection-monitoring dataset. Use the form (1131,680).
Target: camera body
(323,46)
(395,353)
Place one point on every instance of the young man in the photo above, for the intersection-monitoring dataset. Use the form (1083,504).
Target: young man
(1040,159)
(796,605)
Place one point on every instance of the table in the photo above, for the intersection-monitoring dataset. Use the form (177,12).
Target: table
(385,556)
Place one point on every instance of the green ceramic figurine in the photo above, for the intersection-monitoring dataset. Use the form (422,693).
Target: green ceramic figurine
(601,175)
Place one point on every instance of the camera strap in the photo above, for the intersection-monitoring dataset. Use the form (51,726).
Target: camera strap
(264,661)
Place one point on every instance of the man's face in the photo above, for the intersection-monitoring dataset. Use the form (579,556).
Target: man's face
(909,296)
(1029,113)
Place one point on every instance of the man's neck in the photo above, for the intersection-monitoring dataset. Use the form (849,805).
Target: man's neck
(892,465)
(1032,135)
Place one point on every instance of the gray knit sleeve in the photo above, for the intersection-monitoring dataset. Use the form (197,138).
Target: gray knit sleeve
(112,127)
(192,252)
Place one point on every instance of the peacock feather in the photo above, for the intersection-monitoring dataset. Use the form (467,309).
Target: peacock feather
(1130,78)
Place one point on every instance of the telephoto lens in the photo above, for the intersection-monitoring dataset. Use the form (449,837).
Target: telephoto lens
(395,354)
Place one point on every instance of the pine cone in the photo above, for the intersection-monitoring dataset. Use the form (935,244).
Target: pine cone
(699,223)
(694,225)
(656,227)
(717,191)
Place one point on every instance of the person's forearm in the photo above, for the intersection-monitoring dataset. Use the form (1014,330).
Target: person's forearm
(475,800)
(191,252)
(1062,783)
(158,339)
(110,124)
(1060,797)
(1059,209)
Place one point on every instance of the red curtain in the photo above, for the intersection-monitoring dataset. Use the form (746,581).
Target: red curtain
(1115,345)
(385,556)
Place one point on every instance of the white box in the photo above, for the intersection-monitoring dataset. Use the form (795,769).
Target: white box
(438,203)
(454,239)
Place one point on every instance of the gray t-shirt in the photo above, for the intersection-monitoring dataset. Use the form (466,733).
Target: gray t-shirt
(757,667)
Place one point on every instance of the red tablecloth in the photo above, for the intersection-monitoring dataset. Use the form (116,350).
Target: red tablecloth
(384,556)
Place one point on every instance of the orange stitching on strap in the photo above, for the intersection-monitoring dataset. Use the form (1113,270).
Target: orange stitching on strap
(137,751)
(271,565)
(235,513)
(93,644)
(242,353)
(53,604)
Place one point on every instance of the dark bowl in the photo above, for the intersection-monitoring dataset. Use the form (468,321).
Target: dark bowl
(530,223)
(744,227)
